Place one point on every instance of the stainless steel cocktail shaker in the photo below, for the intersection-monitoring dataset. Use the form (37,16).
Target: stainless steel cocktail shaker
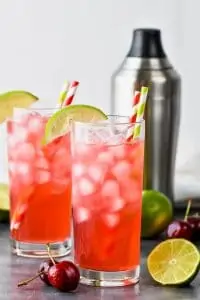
(147,64)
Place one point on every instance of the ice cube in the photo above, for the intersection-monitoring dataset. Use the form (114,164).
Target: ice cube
(110,189)
(122,170)
(26,152)
(98,136)
(25,173)
(118,151)
(35,124)
(12,167)
(105,157)
(86,187)
(22,151)
(111,220)
(75,189)
(116,204)
(81,214)
(23,168)
(42,163)
(97,172)
(12,142)
(78,169)
(92,138)
(117,139)
(81,150)
(42,176)
(20,133)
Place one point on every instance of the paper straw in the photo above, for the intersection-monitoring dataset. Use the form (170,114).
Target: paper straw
(63,93)
(140,111)
(71,93)
(136,100)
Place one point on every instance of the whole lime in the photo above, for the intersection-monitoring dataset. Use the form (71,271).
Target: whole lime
(157,213)
(4,202)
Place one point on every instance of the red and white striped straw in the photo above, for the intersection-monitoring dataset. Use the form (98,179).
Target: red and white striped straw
(71,93)
(63,94)
(133,116)
(136,100)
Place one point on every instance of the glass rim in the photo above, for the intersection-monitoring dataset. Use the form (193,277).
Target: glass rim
(37,109)
(113,119)
(110,122)
(27,110)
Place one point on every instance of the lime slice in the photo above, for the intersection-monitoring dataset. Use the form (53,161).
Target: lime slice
(59,122)
(9,100)
(4,202)
(174,262)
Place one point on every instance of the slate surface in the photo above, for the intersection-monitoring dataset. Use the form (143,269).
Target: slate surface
(13,269)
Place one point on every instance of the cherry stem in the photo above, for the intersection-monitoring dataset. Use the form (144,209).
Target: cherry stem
(49,253)
(188,209)
(25,282)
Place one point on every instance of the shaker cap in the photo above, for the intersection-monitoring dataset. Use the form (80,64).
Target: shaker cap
(146,43)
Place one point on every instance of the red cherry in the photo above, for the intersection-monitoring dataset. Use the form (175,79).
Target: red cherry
(179,229)
(194,222)
(64,276)
(44,268)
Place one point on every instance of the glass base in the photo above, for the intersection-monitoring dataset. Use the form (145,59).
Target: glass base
(40,250)
(109,279)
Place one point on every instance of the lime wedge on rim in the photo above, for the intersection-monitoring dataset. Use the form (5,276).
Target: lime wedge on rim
(58,124)
(11,99)
(174,262)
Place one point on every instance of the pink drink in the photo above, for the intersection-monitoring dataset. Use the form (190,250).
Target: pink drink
(107,207)
(40,183)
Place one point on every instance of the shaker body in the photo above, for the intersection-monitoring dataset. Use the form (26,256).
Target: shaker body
(162,115)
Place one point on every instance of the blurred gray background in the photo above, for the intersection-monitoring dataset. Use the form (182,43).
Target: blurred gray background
(44,42)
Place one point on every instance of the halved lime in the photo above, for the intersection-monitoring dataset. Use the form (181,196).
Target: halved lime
(9,100)
(174,262)
(59,122)
(4,202)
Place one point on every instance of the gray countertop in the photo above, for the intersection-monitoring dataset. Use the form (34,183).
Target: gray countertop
(14,269)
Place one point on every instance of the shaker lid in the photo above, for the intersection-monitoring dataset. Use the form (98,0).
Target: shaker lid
(146,43)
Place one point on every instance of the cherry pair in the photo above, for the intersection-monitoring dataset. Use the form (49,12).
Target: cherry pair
(188,228)
(63,275)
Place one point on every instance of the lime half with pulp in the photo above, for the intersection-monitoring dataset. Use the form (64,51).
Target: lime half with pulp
(174,262)
(4,202)
(59,123)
